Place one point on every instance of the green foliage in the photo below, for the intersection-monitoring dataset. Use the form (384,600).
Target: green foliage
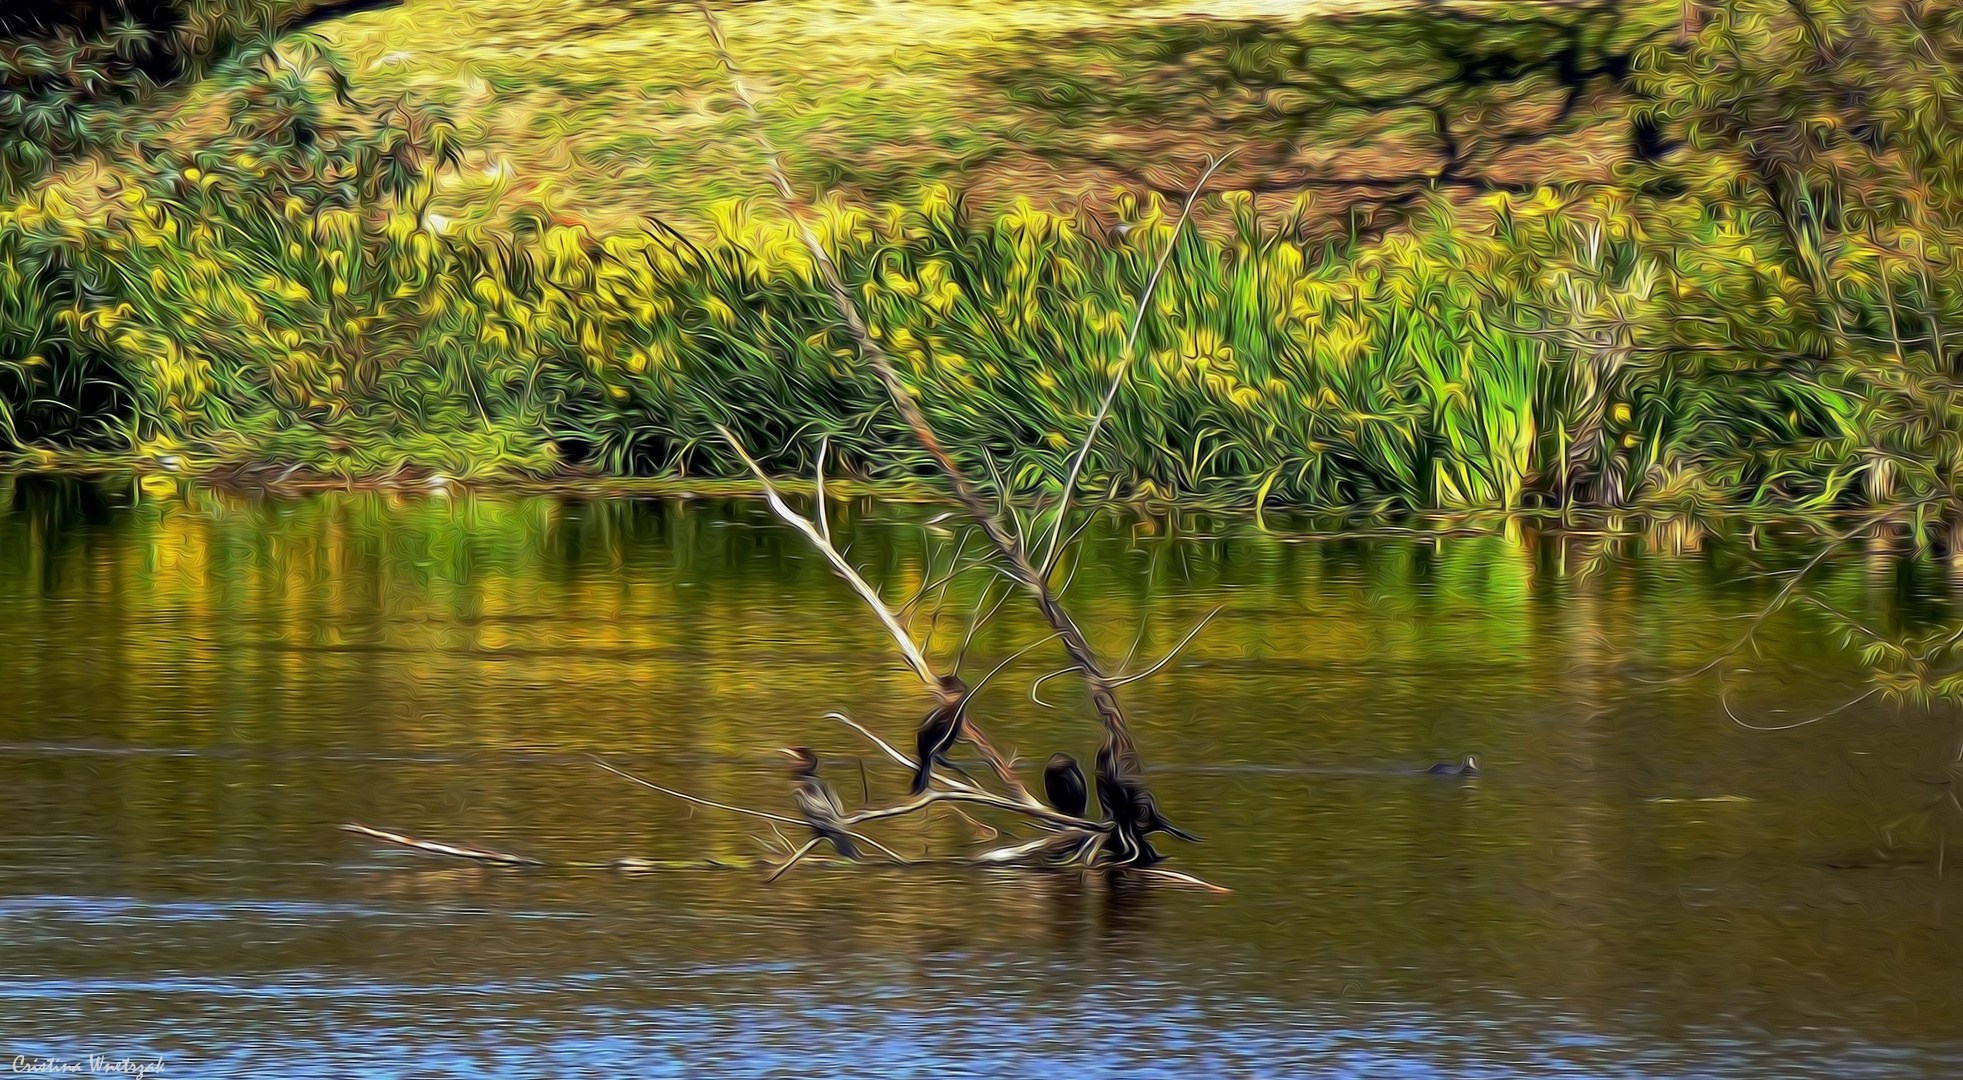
(71,69)
(1760,317)
(1829,130)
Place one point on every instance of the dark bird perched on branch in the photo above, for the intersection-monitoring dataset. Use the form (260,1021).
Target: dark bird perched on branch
(818,802)
(1063,782)
(1131,810)
(1469,768)
(939,731)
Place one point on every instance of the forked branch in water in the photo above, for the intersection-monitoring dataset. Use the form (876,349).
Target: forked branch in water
(1119,761)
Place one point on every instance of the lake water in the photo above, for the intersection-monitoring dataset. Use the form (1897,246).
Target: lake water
(197,689)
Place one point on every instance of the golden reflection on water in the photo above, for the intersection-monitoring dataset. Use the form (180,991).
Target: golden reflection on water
(196,689)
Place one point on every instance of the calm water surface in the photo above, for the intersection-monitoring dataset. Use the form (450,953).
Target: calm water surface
(195,690)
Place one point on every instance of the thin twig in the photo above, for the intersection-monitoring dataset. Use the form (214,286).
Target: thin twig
(1006,661)
(979,620)
(1176,649)
(703,802)
(1144,620)
(1186,879)
(955,570)
(1041,679)
(945,584)
(846,570)
(452,850)
(779,834)
(796,857)
(1833,543)
(1124,364)
(1724,701)
(889,852)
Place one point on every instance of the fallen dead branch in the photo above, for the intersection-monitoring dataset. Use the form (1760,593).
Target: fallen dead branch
(1069,840)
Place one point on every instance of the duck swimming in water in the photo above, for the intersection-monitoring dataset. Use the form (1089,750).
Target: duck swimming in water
(1063,782)
(817,802)
(1468,768)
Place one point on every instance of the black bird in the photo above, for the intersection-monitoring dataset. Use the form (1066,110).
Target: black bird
(1120,809)
(1470,767)
(1132,810)
(818,802)
(939,731)
(1063,782)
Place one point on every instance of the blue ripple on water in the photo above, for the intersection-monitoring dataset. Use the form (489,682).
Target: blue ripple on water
(320,1024)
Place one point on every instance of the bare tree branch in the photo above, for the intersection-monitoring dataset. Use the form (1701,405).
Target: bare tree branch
(914,657)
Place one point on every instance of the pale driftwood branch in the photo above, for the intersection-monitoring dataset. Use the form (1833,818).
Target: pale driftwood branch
(1071,841)
(914,657)
(1118,759)
(796,857)
(890,751)
(820,538)
(965,793)
(885,747)
(824,520)
(1185,879)
(911,766)
(454,851)
(956,790)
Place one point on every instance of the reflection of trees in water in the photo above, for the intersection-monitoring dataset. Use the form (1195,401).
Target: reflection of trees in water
(1890,602)
(49,518)
(481,621)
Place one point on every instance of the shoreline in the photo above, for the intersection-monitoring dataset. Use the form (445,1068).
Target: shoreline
(291,483)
